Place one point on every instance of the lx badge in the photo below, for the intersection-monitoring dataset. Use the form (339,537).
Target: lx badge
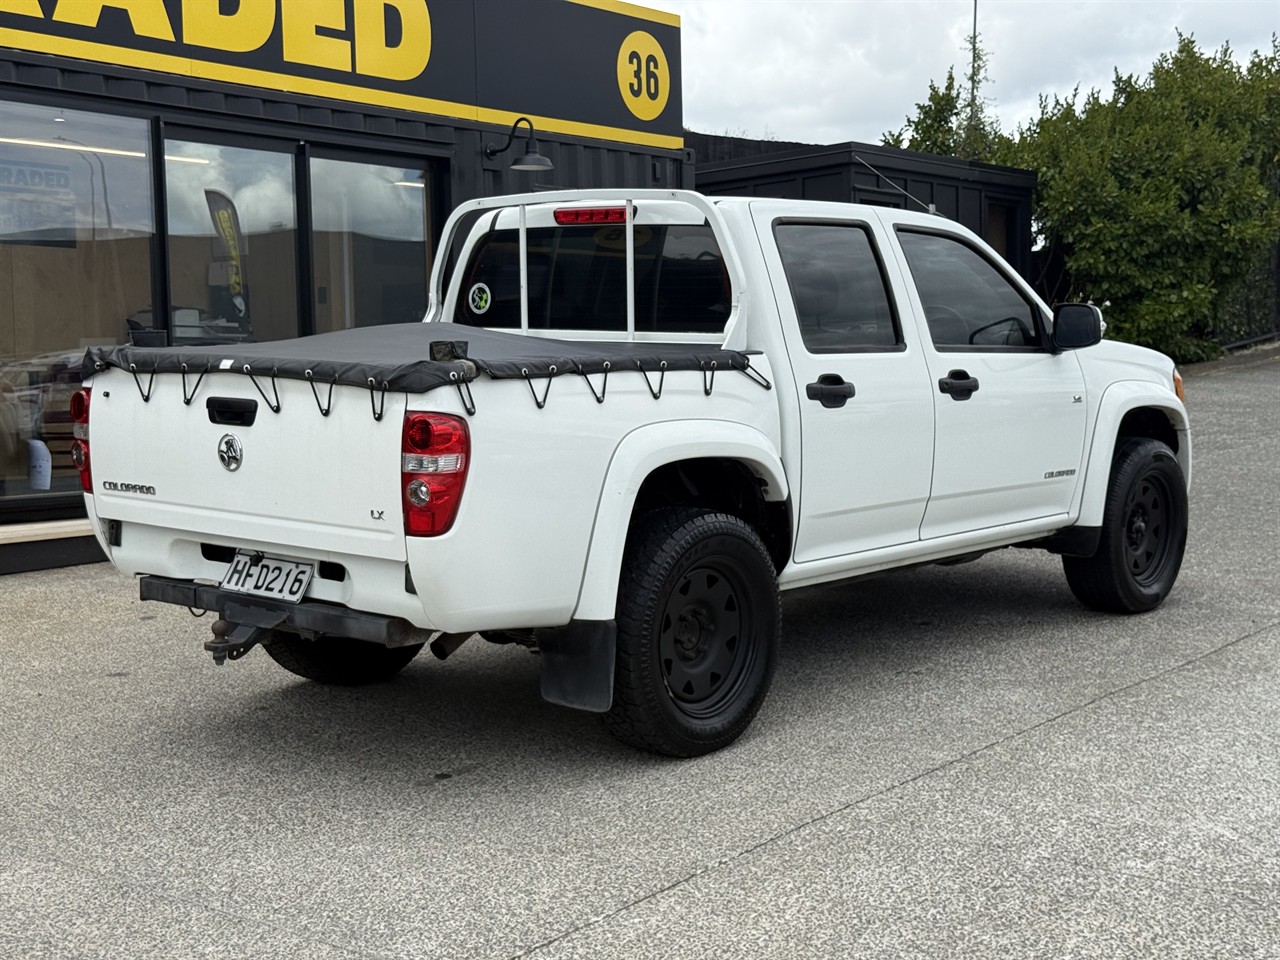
(376,514)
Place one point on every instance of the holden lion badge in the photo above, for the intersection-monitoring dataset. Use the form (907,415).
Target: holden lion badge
(479,298)
(230,452)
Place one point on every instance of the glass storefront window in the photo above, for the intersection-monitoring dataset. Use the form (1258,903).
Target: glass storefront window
(76,228)
(371,245)
(78,238)
(232,243)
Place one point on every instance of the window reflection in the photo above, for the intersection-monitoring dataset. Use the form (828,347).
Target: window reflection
(232,241)
(370,243)
(75,262)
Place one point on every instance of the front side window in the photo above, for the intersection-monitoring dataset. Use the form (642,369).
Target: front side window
(232,243)
(841,300)
(76,228)
(577,279)
(967,302)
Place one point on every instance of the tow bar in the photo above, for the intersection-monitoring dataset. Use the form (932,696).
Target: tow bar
(231,641)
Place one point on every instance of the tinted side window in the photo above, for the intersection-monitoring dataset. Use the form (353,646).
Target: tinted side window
(839,292)
(578,280)
(967,301)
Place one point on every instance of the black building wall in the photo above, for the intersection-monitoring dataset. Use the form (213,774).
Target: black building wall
(994,202)
(578,162)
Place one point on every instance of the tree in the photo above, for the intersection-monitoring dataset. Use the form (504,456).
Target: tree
(977,131)
(953,127)
(1156,199)
(1162,199)
(934,129)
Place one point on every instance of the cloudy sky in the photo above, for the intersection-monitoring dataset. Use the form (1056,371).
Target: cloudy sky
(828,71)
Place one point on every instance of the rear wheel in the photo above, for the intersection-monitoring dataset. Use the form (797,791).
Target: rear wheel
(337,660)
(1144,533)
(698,619)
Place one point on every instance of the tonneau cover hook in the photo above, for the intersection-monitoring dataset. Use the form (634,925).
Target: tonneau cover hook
(551,372)
(604,386)
(380,407)
(188,397)
(754,375)
(662,376)
(328,400)
(146,394)
(464,393)
(275,407)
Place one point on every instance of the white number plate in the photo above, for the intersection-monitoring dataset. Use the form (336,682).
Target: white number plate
(267,577)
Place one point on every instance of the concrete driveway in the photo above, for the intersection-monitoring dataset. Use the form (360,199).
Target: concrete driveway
(954,762)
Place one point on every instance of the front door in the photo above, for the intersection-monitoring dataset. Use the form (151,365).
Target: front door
(1010,413)
(866,413)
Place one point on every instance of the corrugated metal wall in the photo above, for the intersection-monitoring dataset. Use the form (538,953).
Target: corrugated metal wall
(577,164)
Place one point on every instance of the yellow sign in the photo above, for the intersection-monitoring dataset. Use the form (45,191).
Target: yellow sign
(644,80)
(306,29)
(472,60)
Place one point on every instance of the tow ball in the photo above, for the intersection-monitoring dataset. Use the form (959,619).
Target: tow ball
(231,641)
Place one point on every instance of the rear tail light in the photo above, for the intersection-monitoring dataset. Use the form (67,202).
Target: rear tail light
(434,452)
(570,215)
(80,432)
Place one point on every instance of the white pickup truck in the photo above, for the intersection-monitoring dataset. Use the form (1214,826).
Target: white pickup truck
(629,420)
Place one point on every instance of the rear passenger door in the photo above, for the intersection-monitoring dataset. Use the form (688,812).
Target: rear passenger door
(866,412)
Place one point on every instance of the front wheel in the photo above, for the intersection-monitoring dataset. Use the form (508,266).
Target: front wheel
(1144,533)
(337,660)
(698,619)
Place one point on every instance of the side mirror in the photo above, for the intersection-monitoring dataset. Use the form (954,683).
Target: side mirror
(1076,325)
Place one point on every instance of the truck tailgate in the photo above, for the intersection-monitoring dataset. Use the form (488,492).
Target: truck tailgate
(315,482)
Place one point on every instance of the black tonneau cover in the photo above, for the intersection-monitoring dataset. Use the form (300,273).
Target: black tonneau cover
(416,357)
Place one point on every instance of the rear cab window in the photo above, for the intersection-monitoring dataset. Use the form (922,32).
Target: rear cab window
(577,278)
(838,287)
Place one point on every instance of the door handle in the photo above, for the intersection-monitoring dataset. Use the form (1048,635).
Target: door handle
(958,385)
(831,390)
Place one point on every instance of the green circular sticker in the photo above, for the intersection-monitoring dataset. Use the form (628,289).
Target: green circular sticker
(644,80)
(479,298)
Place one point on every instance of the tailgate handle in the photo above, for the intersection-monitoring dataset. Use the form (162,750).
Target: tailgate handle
(231,411)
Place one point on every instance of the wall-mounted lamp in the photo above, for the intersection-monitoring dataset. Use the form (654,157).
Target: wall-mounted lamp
(531,160)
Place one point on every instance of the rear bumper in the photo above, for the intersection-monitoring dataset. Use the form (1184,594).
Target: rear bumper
(308,618)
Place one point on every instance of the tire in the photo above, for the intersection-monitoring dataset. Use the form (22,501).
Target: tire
(698,619)
(1144,533)
(337,660)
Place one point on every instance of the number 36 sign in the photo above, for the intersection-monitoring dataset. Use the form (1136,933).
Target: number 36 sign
(644,79)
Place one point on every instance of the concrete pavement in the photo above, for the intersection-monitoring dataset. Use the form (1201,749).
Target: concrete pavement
(953,762)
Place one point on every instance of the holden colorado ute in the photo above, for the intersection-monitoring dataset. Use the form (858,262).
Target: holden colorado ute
(627,422)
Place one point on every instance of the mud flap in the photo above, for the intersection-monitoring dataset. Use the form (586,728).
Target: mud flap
(577,664)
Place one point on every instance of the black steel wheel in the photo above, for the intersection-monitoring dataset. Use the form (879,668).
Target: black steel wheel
(1144,533)
(337,660)
(698,620)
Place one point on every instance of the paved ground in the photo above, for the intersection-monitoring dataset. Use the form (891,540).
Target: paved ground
(954,762)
